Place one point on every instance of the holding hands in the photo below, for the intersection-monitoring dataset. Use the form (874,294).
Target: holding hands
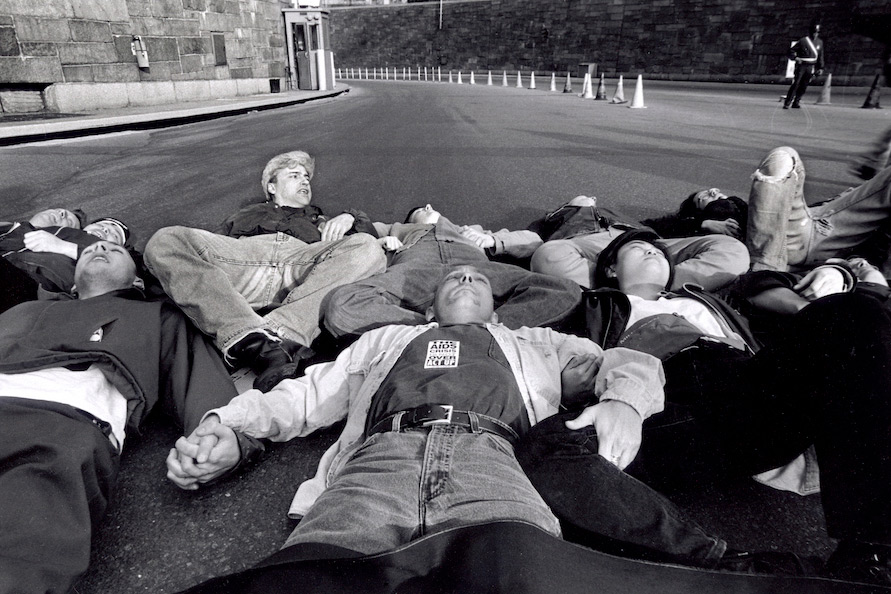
(209,452)
(481,240)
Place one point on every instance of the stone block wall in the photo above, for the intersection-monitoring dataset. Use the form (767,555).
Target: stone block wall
(45,42)
(710,40)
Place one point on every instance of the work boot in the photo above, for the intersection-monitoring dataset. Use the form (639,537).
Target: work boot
(271,358)
(762,562)
(855,561)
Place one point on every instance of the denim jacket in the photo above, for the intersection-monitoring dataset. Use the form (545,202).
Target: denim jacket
(344,388)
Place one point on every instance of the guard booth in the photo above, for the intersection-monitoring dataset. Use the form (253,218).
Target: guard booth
(310,59)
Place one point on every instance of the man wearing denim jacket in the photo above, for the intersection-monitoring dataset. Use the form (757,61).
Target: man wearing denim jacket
(432,412)
(256,289)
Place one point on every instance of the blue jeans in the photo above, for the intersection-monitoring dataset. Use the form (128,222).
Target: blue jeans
(784,233)
(400,486)
(710,261)
(403,293)
(220,282)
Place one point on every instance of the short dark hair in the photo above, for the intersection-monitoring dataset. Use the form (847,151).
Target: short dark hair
(412,211)
(610,254)
(81,216)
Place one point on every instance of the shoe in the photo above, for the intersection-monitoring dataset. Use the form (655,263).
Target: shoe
(864,172)
(861,562)
(785,106)
(268,356)
(762,562)
(796,106)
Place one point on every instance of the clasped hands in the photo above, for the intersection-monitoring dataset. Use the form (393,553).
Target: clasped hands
(207,453)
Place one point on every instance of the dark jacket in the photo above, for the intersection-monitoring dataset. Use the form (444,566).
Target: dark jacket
(689,223)
(607,312)
(302,223)
(147,349)
(571,221)
(53,272)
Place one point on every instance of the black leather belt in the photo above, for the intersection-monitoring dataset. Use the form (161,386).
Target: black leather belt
(443,414)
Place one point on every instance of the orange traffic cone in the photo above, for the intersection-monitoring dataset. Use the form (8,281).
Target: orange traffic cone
(519,80)
(619,97)
(601,90)
(489,80)
(553,88)
(637,101)
(827,87)
(532,80)
(472,79)
(589,91)
(567,88)
(872,100)
(450,77)
(460,80)
(504,78)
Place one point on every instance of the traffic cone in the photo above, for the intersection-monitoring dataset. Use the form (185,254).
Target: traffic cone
(601,90)
(439,74)
(827,87)
(425,74)
(553,88)
(472,80)
(872,100)
(589,93)
(637,101)
(519,80)
(584,85)
(366,74)
(567,88)
(489,79)
(450,77)
(532,80)
(460,80)
(619,97)
(504,79)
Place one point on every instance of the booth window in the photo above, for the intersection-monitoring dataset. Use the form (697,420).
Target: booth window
(219,49)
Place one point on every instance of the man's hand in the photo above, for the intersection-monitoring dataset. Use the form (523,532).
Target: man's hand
(619,430)
(390,243)
(479,239)
(211,450)
(822,281)
(336,228)
(44,241)
(726,227)
(578,378)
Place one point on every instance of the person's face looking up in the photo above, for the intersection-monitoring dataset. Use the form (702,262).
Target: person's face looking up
(55,217)
(464,296)
(639,263)
(291,187)
(108,231)
(425,216)
(706,197)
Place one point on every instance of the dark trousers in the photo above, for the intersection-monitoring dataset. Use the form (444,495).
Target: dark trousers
(800,81)
(15,286)
(57,471)
(826,382)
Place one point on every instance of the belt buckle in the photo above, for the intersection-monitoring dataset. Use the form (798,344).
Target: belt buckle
(448,418)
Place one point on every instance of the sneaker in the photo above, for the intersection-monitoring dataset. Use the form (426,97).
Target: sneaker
(796,106)
(861,562)
(785,106)
(762,562)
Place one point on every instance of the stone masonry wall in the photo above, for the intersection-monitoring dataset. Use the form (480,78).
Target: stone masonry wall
(88,41)
(712,40)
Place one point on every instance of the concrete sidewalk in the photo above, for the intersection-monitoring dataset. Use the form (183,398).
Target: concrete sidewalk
(23,128)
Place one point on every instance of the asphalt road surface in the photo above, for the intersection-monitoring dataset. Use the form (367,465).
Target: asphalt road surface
(498,156)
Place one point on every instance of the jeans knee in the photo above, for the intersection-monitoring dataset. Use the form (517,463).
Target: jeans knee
(367,251)
(552,257)
(165,241)
(778,165)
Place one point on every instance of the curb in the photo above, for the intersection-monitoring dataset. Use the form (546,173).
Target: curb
(95,125)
